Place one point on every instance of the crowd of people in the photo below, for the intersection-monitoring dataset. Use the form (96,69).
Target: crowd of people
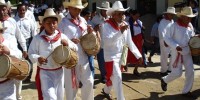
(19,38)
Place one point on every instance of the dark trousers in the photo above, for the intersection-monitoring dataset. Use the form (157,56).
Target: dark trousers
(101,63)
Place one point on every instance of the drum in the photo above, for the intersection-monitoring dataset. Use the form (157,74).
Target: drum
(90,44)
(65,56)
(194,44)
(12,67)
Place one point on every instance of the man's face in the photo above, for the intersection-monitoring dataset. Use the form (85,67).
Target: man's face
(170,16)
(3,11)
(186,19)
(74,11)
(22,10)
(103,13)
(118,16)
(50,24)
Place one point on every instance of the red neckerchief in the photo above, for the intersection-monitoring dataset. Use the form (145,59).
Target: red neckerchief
(47,39)
(2,20)
(180,23)
(76,23)
(113,24)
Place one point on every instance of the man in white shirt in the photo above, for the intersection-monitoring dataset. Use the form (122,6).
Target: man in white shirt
(115,34)
(165,23)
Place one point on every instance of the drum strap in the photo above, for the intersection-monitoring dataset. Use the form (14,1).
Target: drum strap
(4,81)
(78,24)
(177,60)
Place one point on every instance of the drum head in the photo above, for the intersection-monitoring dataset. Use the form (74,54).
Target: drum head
(194,42)
(4,65)
(88,41)
(60,54)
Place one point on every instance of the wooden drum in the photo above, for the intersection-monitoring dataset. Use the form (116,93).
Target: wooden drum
(194,44)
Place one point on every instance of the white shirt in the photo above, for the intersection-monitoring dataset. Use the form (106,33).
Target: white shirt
(162,28)
(41,48)
(27,27)
(179,36)
(114,41)
(137,29)
(73,31)
(13,33)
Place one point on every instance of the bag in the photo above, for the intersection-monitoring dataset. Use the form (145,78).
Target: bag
(124,55)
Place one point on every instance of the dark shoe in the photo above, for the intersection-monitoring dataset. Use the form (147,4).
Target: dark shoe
(94,86)
(136,73)
(126,68)
(163,85)
(103,80)
(189,95)
(27,81)
(80,84)
(108,96)
(164,74)
(168,71)
(149,59)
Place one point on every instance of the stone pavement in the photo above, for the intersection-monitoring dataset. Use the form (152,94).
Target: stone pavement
(145,87)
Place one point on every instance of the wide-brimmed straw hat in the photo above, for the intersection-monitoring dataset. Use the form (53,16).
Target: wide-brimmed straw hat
(75,3)
(49,13)
(2,2)
(1,27)
(171,10)
(117,6)
(187,11)
(105,5)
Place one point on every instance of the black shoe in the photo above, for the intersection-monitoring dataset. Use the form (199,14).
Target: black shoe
(94,86)
(189,95)
(163,85)
(108,96)
(164,74)
(168,71)
(80,84)
(103,80)
(27,81)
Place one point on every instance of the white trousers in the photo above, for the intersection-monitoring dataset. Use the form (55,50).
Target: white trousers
(52,84)
(83,75)
(177,72)
(164,57)
(116,79)
(8,90)
(18,84)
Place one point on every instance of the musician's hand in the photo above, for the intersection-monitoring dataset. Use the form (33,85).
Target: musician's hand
(75,40)
(25,54)
(123,28)
(140,61)
(64,42)
(89,29)
(178,48)
(4,50)
(97,27)
(165,44)
(42,60)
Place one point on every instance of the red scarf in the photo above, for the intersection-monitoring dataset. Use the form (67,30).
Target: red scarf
(76,23)
(2,20)
(180,23)
(113,24)
(47,39)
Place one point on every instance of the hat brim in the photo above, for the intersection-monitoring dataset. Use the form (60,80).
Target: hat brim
(67,4)
(41,18)
(191,16)
(169,13)
(101,8)
(3,4)
(110,11)
(4,28)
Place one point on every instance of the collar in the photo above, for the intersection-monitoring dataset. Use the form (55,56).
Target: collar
(113,24)
(47,38)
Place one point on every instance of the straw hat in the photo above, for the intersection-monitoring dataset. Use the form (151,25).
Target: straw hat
(1,27)
(117,6)
(170,10)
(2,2)
(105,5)
(49,13)
(75,3)
(187,11)
(9,4)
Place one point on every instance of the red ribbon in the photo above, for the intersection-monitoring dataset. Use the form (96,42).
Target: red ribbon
(113,24)
(177,60)
(73,72)
(75,22)
(47,39)
(2,20)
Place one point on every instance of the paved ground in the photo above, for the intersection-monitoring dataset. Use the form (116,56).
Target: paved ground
(146,87)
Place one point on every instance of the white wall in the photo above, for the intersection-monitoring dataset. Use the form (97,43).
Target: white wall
(160,6)
(131,4)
